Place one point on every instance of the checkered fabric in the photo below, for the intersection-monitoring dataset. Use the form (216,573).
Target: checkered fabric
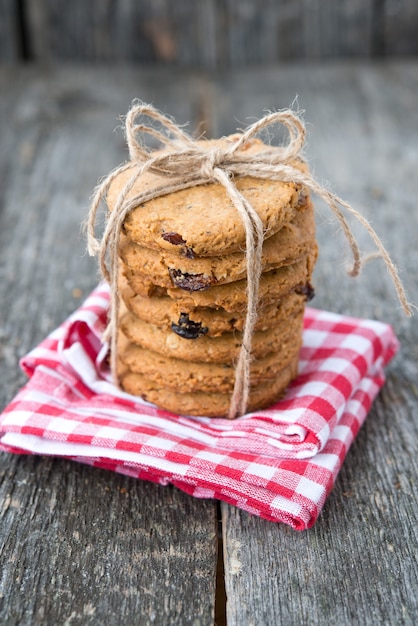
(279,463)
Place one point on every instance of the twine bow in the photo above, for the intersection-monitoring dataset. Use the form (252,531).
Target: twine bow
(186,163)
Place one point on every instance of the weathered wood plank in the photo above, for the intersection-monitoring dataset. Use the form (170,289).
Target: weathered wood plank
(89,547)
(358,564)
(9,31)
(167,32)
(399,23)
(211,34)
(305,29)
(338,29)
(81,546)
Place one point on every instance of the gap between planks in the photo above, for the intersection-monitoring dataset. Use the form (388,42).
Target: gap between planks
(220,593)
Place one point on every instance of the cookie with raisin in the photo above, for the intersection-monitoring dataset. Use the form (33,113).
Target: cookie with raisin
(169,314)
(203,348)
(202,220)
(232,297)
(171,268)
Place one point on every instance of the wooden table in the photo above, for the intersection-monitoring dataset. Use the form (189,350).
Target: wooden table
(85,546)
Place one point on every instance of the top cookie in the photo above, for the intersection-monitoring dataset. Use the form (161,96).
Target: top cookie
(203,219)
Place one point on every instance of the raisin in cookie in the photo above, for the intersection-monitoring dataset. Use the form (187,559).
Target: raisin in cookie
(169,314)
(223,349)
(231,297)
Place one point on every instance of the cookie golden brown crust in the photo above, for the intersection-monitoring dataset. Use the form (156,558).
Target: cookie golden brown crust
(223,349)
(204,217)
(166,312)
(230,296)
(203,403)
(170,269)
(183,292)
(185,376)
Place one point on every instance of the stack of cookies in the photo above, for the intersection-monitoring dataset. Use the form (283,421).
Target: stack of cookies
(183,292)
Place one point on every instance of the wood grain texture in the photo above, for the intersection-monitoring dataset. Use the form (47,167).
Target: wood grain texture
(84,546)
(163,31)
(101,548)
(399,23)
(80,546)
(215,35)
(9,31)
(358,564)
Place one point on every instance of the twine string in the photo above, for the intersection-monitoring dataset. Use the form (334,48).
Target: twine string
(186,163)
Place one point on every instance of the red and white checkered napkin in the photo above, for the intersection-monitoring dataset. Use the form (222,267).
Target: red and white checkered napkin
(279,463)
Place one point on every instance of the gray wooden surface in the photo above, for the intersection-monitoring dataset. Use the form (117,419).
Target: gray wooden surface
(9,31)
(207,33)
(83,546)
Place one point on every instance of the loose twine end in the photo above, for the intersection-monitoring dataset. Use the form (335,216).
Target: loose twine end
(184,163)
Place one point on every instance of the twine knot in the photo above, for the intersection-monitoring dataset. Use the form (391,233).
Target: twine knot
(213,159)
(184,162)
